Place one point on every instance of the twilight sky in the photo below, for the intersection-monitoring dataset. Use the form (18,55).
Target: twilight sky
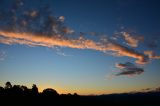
(83,46)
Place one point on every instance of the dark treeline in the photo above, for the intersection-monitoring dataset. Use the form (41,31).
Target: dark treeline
(18,95)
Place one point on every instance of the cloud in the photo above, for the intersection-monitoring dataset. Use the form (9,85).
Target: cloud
(122,66)
(128,69)
(58,51)
(23,18)
(31,13)
(38,27)
(152,43)
(42,40)
(157,89)
(120,50)
(2,55)
(54,40)
(151,54)
(62,18)
(132,40)
(131,71)
(67,30)
(146,89)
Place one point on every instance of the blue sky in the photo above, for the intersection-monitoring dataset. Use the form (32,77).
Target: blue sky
(128,28)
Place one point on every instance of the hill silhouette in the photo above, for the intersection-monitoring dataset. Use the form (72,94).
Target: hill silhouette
(19,95)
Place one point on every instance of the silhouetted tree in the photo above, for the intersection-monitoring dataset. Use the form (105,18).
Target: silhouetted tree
(17,95)
(69,94)
(16,90)
(1,90)
(50,92)
(34,89)
(24,88)
(8,85)
(75,94)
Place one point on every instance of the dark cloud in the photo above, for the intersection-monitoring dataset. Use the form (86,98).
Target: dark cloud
(21,18)
(153,44)
(146,89)
(131,71)
(94,34)
(152,41)
(158,89)
(122,66)
(128,69)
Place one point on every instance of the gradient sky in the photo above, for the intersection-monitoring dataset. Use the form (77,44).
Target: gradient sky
(122,28)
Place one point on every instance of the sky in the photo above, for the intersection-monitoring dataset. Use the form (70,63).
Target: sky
(82,46)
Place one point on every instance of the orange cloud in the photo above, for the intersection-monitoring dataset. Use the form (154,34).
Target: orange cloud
(32,39)
(131,41)
(124,51)
(151,54)
(42,40)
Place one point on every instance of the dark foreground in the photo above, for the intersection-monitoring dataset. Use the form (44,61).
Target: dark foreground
(22,96)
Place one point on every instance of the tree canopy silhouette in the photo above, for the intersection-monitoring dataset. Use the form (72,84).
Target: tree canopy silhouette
(20,95)
(50,92)
(8,85)
(34,89)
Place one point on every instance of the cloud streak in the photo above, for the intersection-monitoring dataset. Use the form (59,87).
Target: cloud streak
(80,43)
(42,40)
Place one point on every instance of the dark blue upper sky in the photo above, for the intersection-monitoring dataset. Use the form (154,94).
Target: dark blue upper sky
(142,15)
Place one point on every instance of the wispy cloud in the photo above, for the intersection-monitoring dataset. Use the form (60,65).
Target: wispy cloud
(2,55)
(59,51)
